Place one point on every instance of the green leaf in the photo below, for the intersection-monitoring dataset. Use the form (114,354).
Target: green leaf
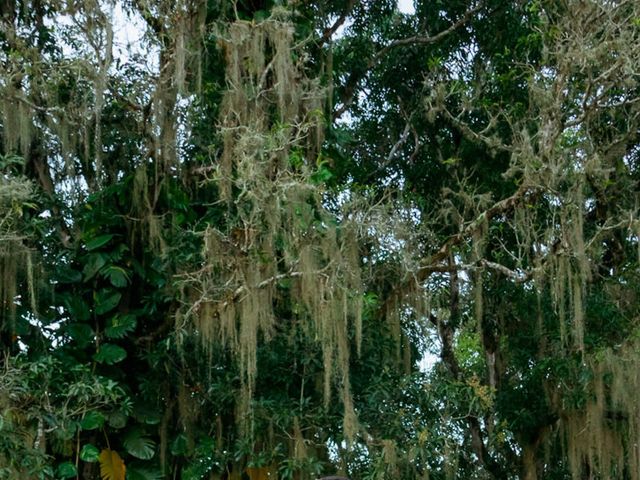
(94,263)
(98,241)
(10,160)
(89,453)
(179,446)
(117,276)
(110,354)
(107,300)
(147,415)
(322,175)
(138,445)
(120,325)
(117,420)
(81,333)
(65,430)
(261,15)
(92,420)
(67,470)
(143,473)
(65,274)
(78,308)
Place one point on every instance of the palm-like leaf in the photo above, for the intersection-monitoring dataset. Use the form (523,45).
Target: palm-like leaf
(112,467)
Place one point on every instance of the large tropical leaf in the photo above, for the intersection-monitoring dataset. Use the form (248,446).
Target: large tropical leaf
(145,414)
(65,274)
(98,241)
(117,276)
(107,300)
(92,420)
(117,420)
(94,263)
(143,473)
(138,445)
(89,453)
(180,445)
(110,354)
(67,470)
(77,307)
(112,467)
(82,333)
(120,325)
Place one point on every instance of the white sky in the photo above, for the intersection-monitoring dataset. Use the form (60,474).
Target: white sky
(406,6)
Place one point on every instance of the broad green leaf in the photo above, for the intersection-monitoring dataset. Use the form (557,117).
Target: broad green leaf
(107,300)
(120,325)
(98,241)
(92,420)
(147,415)
(136,472)
(89,453)
(94,263)
(138,445)
(66,430)
(260,15)
(110,354)
(65,274)
(112,467)
(117,420)
(117,276)
(67,470)
(179,446)
(77,307)
(322,175)
(81,333)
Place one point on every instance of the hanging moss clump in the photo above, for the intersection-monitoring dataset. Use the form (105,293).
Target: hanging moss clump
(16,263)
(280,242)
(601,437)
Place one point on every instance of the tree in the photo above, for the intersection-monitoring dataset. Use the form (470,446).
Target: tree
(239,260)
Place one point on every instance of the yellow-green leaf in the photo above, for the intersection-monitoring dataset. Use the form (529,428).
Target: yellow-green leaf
(261,473)
(111,465)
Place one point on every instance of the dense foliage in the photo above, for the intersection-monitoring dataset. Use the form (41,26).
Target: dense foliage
(284,239)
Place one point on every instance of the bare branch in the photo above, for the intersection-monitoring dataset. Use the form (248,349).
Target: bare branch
(397,145)
(329,32)
(434,263)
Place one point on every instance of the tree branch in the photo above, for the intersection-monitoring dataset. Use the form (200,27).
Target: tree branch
(153,22)
(434,263)
(355,78)
(447,354)
(328,32)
